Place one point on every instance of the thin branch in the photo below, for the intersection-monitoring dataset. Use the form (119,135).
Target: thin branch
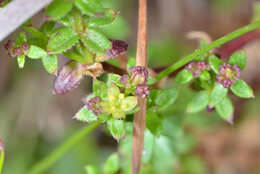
(139,118)
(43,165)
(203,50)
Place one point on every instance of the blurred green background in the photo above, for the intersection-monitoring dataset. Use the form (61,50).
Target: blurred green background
(33,121)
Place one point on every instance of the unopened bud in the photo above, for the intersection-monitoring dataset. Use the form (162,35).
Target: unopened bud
(124,79)
(18,52)
(138,74)
(93,105)
(25,47)
(9,45)
(142,91)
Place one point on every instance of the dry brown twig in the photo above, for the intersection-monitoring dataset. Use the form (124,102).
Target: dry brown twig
(139,117)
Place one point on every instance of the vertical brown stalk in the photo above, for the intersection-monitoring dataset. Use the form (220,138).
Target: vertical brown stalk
(139,118)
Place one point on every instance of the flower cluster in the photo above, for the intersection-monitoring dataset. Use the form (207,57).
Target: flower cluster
(115,103)
(137,79)
(196,67)
(14,51)
(228,75)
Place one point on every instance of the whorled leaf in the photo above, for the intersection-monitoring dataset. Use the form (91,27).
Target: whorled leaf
(50,63)
(226,110)
(59,8)
(61,40)
(112,165)
(89,7)
(69,77)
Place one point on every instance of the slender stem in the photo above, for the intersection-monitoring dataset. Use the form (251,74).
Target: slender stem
(203,50)
(43,165)
(139,118)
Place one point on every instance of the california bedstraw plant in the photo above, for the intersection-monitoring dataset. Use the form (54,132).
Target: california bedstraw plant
(74,29)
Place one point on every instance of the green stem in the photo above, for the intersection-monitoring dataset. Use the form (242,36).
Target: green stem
(203,50)
(51,159)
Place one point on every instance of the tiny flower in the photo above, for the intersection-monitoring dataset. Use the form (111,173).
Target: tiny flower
(228,75)
(25,47)
(124,79)
(9,45)
(196,67)
(201,65)
(138,74)
(18,51)
(210,108)
(93,105)
(118,48)
(142,91)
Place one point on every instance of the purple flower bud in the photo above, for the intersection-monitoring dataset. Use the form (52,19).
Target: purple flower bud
(138,74)
(190,66)
(118,48)
(201,65)
(18,52)
(124,79)
(69,77)
(196,73)
(210,109)
(92,105)
(142,91)
(25,47)
(9,45)
(226,83)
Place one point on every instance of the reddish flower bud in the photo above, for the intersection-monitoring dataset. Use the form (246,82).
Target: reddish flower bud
(9,45)
(118,48)
(196,68)
(69,77)
(92,105)
(142,91)
(25,47)
(18,52)
(124,79)
(138,74)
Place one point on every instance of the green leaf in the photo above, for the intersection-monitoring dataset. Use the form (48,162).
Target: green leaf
(21,38)
(198,102)
(36,52)
(111,166)
(183,77)
(114,78)
(91,45)
(75,56)
(215,63)
(92,170)
(85,115)
(100,21)
(131,62)
(242,89)
(99,38)
(61,40)
(116,128)
(154,123)
(129,103)
(99,88)
(47,27)
(89,7)
(2,157)
(204,75)
(149,141)
(21,61)
(59,8)
(166,97)
(217,94)
(35,33)
(225,109)
(238,58)
(50,63)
